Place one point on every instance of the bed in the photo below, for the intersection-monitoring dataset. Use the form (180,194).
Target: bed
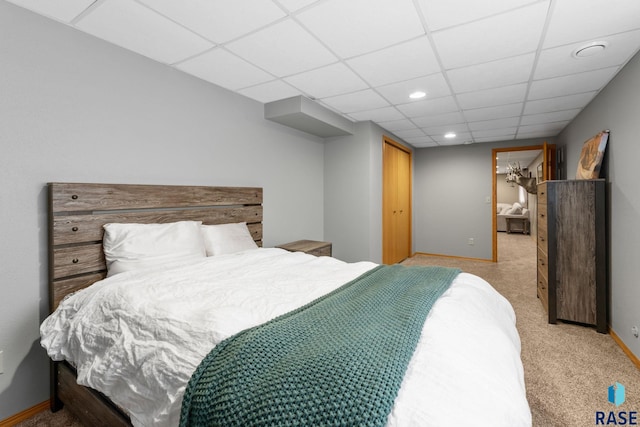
(466,365)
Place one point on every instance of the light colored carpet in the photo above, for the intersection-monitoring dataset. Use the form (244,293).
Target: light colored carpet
(568,368)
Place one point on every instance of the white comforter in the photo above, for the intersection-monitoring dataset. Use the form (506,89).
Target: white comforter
(138,336)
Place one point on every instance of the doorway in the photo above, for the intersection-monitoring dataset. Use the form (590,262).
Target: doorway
(540,162)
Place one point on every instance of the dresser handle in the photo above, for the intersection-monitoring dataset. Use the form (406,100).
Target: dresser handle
(541,262)
(74,229)
(75,260)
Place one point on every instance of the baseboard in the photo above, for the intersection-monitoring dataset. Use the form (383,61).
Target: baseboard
(25,415)
(461,258)
(625,349)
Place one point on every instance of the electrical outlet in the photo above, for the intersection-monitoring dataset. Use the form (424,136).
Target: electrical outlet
(471,241)
(634,331)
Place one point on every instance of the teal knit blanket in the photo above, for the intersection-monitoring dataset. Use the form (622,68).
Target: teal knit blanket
(338,361)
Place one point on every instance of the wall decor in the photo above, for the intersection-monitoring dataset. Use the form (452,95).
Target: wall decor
(591,156)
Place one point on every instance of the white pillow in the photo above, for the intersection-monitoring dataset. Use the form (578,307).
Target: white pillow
(227,238)
(135,246)
(516,209)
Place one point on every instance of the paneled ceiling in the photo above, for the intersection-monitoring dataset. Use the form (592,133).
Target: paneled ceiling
(492,70)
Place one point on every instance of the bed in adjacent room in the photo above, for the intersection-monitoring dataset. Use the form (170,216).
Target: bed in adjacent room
(166,307)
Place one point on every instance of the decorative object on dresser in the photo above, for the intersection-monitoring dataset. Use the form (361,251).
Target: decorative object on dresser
(312,247)
(572,254)
(591,156)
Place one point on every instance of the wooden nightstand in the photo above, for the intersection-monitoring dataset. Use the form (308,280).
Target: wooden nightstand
(312,247)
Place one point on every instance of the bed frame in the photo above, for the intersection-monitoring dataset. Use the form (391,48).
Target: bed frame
(77,213)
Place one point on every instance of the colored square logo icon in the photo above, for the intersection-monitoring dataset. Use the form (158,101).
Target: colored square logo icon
(616,394)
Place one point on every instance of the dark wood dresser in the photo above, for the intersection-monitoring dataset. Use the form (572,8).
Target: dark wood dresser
(572,251)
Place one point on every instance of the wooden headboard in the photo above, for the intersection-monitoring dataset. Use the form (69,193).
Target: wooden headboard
(77,213)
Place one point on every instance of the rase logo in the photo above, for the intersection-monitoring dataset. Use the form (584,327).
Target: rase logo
(616,396)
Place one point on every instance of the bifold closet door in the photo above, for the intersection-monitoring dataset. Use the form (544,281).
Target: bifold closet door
(396,214)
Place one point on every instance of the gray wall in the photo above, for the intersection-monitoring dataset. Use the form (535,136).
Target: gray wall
(617,108)
(451,187)
(353,193)
(73,108)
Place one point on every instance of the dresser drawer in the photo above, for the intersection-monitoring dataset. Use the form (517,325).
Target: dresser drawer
(543,291)
(542,194)
(542,238)
(543,262)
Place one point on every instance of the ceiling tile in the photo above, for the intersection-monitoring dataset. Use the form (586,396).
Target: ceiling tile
(293,5)
(568,85)
(559,61)
(378,115)
(219,20)
(423,141)
(357,101)
(441,130)
(435,86)
(137,28)
(488,113)
(396,125)
(442,14)
(401,62)
(355,27)
(597,18)
(459,139)
(439,120)
(494,124)
(495,138)
(556,116)
(429,106)
(494,133)
(270,91)
(361,58)
(546,129)
(423,144)
(334,79)
(498,73)
(62,10)
(500,36)
(224,69)
(558,103)
(410,133)
(492,97)
(283,49)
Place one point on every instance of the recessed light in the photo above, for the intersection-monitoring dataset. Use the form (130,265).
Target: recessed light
(589,49)
(417,94)
(449,135)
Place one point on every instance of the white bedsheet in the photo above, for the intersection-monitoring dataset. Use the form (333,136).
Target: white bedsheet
(138,336)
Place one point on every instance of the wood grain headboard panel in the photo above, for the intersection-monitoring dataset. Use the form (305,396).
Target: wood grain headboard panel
(78,211)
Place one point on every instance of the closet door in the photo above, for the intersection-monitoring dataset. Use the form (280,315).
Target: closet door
(396,211)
